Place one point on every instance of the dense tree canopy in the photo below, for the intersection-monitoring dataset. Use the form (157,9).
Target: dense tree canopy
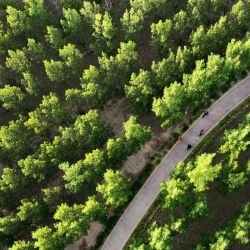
(116,189)
(69,69)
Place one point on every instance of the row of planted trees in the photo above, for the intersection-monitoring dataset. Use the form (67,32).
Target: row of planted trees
(52,137)
(204,41)
(184,196)
(67,60)
(98,84)
(35,171)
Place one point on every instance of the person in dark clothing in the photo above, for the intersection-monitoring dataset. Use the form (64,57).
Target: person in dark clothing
(189,146)
(205,113)
(201,132)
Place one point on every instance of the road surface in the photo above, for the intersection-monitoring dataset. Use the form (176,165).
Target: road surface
(151,188)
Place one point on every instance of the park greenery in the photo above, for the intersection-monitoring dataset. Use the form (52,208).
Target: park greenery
(62,62)
(184,198)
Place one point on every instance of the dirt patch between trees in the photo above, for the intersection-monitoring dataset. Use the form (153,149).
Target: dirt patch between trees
(85,242)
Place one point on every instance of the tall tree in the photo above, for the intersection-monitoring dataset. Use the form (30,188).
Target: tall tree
(12,97)
(48,116)
(104,33)
(18,61)
(140,91)
(22,245)
(72,58)
(135,134)
(204,172)
(116,189)
(73,26)
(55,37)
(161,36)
(171,106)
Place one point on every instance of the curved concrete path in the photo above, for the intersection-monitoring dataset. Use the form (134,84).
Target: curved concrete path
(151,188)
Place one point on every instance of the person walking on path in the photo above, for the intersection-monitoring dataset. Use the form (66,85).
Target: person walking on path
(205,114)
(201,132)
(180,139)
(189,146)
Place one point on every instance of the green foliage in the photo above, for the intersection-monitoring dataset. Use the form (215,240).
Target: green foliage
(10,180)
(117,70)
(89,10)
(14,140)
(18,21)
(184,59)
(135,134)
(35,50)
(71,4)
(55,70)
(55,37)
(9,226)
(236,140)
(92,74)
(199,209)
(74,100)
(237,56)
(214,40)
(203,172)
(94,210)
(240,16)
(72,58)
(31,83)
(48,116)
(140,91)
(116,150)
(182,23)
(22,245)
(84,172)
(166,71)
(234,231)
(33,147)
(12,97)
(235,181)
(53,196)
(73,26)
(18,61)
(59,71)
(131,22)
(46,239)
(170,107)
(160,36)
(205,12)
(31,211)
(32,167)
(160,237)
(207,79)
(104,33)
(87,133)
(72,222)
(37,12)
(174,192)
(116,189)
(133,19)
(93,95)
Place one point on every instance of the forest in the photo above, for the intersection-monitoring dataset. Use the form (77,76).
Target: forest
(62,62)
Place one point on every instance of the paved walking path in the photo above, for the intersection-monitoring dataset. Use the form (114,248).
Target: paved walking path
(151,188)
